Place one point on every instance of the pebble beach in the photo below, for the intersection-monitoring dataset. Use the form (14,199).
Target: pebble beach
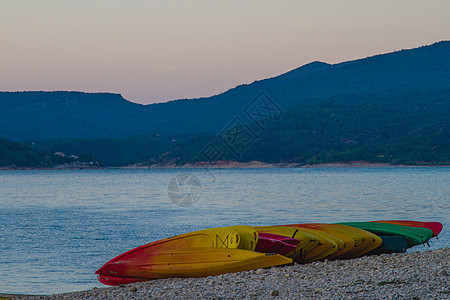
(416,275)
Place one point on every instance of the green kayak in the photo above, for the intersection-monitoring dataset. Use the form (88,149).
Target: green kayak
(413,235)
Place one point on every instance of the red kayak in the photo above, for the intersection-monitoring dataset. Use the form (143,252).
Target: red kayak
(274,243)
(436,227)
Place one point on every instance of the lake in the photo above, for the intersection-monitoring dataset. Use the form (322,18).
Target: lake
(57,227)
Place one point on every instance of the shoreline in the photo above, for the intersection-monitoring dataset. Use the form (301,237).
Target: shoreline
(416,275)
(236,165)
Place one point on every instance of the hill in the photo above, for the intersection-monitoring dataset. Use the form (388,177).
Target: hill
(58,115)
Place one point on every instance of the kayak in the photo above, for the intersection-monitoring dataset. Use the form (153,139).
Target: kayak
(436,227)
(274,243)
(413,235)
(232,237)
(191,262)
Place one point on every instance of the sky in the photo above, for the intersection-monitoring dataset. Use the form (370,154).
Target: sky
(155,51)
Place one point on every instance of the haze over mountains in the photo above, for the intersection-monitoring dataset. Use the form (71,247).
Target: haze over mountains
(391,108)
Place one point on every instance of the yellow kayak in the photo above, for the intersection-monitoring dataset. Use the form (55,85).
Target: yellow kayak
(192,262)
(184,245)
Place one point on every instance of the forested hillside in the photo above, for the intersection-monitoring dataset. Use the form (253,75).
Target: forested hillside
(18,155)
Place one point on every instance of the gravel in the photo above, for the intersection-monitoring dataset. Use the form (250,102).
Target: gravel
(417,275)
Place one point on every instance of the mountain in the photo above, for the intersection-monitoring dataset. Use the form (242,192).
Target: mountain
(389,108)
(56,115)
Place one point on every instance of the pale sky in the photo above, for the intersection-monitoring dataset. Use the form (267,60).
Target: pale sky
(155,51)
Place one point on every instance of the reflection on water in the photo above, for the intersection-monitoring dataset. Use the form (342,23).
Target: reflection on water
(58,227)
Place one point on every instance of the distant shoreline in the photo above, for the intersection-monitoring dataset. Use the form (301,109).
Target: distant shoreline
(260,165)
(235,165)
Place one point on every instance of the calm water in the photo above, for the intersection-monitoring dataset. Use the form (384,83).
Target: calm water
(58,227)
